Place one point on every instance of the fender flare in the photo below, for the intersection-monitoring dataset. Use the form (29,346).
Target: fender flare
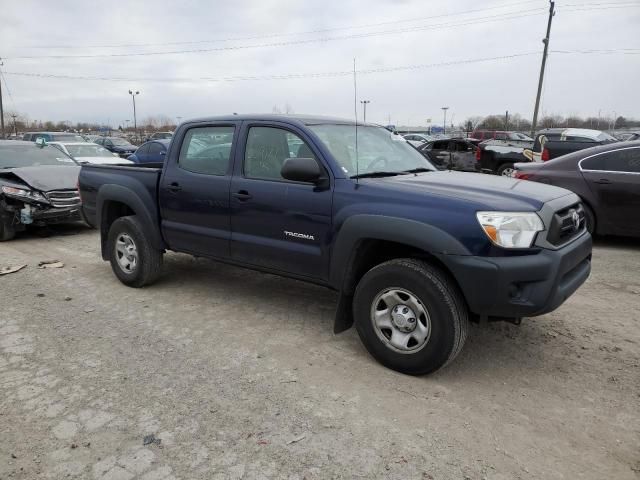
(379,227)
(119,193)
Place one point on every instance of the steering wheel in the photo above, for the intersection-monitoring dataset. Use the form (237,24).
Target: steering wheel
(378,160)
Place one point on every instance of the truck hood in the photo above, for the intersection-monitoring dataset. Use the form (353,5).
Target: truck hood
(44,178)
(489,192)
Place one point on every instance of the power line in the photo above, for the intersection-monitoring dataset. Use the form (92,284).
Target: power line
(479,20)
(339,73)
(276,35)
(275,77)
(2,78)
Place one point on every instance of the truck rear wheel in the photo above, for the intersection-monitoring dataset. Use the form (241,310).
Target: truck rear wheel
(505,170)
(133,259)
(410,316)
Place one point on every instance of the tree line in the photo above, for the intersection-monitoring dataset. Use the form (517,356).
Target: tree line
(517,122)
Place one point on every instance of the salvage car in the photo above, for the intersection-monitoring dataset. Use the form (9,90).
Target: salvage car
(453,154)
(38,186)
(117,145)
(415,253)
(607,179)
(498,156)
(86,152)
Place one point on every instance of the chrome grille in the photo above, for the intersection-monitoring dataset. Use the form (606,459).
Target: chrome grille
(64,198)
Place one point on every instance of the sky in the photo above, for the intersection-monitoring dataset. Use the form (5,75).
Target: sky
(412,57)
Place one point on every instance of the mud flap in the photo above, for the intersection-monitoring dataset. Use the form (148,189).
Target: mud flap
(344,314)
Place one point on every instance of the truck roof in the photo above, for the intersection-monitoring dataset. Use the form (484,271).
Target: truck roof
(295,119)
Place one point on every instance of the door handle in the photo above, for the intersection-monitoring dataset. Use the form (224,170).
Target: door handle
(174,187)
(603,181)
(242,195)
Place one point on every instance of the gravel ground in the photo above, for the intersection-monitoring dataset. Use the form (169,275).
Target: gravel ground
(230,373)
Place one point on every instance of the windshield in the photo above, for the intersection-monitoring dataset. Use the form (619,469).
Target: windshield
(15,156)
(520,136)
(120,142)
(66,137)
(88,150)
(605,137)
(378,149)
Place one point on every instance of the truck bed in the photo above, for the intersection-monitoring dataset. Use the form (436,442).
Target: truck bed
(143,178)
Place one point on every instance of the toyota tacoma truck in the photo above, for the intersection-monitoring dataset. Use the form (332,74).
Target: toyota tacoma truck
(415,253)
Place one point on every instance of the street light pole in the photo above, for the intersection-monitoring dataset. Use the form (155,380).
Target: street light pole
(444,123)
(15,128)
(364,105)
(135,121)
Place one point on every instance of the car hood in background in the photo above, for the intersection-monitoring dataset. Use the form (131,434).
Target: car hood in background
(103,160)
(44,178)
(126,148)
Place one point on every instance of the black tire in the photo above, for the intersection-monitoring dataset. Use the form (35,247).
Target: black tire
(447,313)
(148,264)
(502,168)
(7,232)
(590,218)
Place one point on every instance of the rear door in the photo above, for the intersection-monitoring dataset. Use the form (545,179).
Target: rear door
(194,190)
(277,223)
(614,178)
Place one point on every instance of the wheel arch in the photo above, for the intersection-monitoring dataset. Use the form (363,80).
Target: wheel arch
(369,240)
(115,201)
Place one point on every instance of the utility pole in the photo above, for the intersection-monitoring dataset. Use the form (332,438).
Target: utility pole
(364,105)
(444,123)
(135,121)
(15,128)
(1,109)
(545,40)
(506,120)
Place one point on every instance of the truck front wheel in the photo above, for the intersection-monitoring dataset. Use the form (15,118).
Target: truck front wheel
(410,316)
(133,259)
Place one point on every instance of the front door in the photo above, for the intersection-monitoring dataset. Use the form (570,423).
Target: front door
(194,191)
(614,178)
(277,223)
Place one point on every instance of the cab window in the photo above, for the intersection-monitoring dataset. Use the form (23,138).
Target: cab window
(207,150)
(268,148)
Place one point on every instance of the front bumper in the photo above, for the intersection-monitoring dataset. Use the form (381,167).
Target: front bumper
(56,215)
(524,285)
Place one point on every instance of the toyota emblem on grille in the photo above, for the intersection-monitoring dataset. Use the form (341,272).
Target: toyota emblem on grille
(575,218)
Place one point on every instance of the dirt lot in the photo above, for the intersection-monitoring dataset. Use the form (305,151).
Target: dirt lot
(237,374)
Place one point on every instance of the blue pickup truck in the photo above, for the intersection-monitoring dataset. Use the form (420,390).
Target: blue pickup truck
(415,253)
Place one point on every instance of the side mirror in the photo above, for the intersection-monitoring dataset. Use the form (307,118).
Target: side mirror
(301,170)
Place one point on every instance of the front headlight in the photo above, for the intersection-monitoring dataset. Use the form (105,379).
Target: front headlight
(511,229)
(24,194)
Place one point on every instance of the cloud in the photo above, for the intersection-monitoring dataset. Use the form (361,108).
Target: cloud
(575,83)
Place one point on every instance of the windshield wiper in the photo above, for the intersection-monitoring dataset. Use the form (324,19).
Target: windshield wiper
(418,170)
(376,174)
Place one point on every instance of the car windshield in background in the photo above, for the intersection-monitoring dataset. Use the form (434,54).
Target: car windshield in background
(605,137)
(67,138)
(16,156)
(88,150)
(379,150)
(120,142)
(520,136)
